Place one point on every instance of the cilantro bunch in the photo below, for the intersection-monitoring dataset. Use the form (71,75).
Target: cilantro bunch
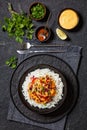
(18,26)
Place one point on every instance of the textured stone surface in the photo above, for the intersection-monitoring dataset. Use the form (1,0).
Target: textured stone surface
(77,120)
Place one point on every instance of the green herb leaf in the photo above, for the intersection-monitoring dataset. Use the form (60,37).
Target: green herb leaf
(13,66)
(12,62)
(30,36)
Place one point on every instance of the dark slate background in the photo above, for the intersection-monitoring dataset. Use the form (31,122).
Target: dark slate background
(77,119)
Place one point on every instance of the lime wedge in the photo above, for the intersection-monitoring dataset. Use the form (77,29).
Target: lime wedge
(61,34)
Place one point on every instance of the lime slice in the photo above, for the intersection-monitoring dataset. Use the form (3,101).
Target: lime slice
(61,34)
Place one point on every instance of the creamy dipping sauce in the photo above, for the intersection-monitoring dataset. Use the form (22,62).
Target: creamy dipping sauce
(68,19)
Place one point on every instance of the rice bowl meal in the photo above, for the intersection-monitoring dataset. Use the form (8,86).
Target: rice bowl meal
(43,88)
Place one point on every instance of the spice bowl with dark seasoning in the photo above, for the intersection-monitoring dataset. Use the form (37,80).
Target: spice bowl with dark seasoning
(43,33)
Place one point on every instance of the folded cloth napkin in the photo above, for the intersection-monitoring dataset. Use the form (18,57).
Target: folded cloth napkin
(72,57)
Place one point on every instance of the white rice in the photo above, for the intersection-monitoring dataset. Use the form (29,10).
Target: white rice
(43,72)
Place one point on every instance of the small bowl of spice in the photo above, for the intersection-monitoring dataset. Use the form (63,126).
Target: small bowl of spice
(43,33)
(37,11)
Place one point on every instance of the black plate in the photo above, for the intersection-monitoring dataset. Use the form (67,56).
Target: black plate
(42,111)
(72,87)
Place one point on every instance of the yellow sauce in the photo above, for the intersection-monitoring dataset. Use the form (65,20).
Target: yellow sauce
(68,19)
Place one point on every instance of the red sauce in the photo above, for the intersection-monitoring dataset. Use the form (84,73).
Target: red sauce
(42,34)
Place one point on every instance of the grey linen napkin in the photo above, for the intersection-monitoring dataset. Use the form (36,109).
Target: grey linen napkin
(71,56)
